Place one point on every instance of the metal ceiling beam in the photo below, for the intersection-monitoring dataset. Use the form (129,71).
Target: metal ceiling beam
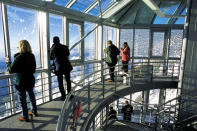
(178,11)
(70,3)
(49,7)
(127,15)
(130,26)
(117,6)
(152,5)
(91,6)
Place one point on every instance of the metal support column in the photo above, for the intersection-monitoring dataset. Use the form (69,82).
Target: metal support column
(8,54)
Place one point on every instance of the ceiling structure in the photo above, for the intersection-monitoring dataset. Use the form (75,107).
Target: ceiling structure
(119,13)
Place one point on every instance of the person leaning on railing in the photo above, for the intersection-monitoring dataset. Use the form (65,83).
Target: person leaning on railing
(111,58)
(24,66)
(59,53)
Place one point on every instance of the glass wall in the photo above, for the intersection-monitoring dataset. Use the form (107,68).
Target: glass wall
(176,42)
(23,24)
(90,42)
(158,43)
(74,36)
(141,45)
(2,47)
(55,27)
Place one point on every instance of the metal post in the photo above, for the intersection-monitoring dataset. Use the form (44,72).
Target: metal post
(103,81)
(172,71)
(89,97)
(116,74)
(8,54)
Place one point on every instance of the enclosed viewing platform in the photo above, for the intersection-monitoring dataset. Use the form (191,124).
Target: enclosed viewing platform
(160,83)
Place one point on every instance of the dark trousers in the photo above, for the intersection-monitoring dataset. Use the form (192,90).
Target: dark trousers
(111,70)
(125,66)
(60,82)
(22,95)
(127,117)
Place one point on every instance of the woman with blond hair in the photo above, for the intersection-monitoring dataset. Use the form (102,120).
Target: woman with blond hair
(24,66)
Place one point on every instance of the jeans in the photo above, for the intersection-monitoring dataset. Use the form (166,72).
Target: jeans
(22,95)
(60,82)
(111,70)
(125,66)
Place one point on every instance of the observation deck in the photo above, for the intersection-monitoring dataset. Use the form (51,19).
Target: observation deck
(94,94)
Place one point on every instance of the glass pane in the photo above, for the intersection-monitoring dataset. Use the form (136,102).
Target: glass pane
(176,42)
(167,9)
(56,27)
(126,35)
(54,86)
(141,44)
(62,2)
(38,88)
(95,11)
(158,43)
(4,99)
(181,20)
(111,33)
(171,94)
(74,36)
(154,97)
(106,3)
(82,5)
(23,24)
(2,48)
(90,42)
(137,97)
(76,76)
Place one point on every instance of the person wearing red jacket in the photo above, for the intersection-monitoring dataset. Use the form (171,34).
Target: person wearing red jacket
(77,110)
(125,57)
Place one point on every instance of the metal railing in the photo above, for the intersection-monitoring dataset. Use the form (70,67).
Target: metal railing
(136,71)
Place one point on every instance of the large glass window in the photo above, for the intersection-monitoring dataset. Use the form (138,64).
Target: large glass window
(154,97)
(2,48)
(111,33)
(89,42)
(56,27)
(158,43)
(126,35)
(74,36)
(141,44)
(4,99)
(23,24)
(176,42)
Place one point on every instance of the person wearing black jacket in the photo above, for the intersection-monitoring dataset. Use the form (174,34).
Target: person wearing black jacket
(127,110)
(60,55)
(112,113)
(111,58)
(24,66)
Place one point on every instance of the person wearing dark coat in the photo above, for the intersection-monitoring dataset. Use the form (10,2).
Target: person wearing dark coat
(127,110)
(111,58)
(24,67)
(60,55)
(112,113)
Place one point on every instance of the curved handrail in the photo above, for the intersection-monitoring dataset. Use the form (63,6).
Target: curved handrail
(60,119)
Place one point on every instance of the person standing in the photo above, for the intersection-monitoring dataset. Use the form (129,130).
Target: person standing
(111,58)
(60,55)
(24,66)
(127,110)
(125,57)
(77,110)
